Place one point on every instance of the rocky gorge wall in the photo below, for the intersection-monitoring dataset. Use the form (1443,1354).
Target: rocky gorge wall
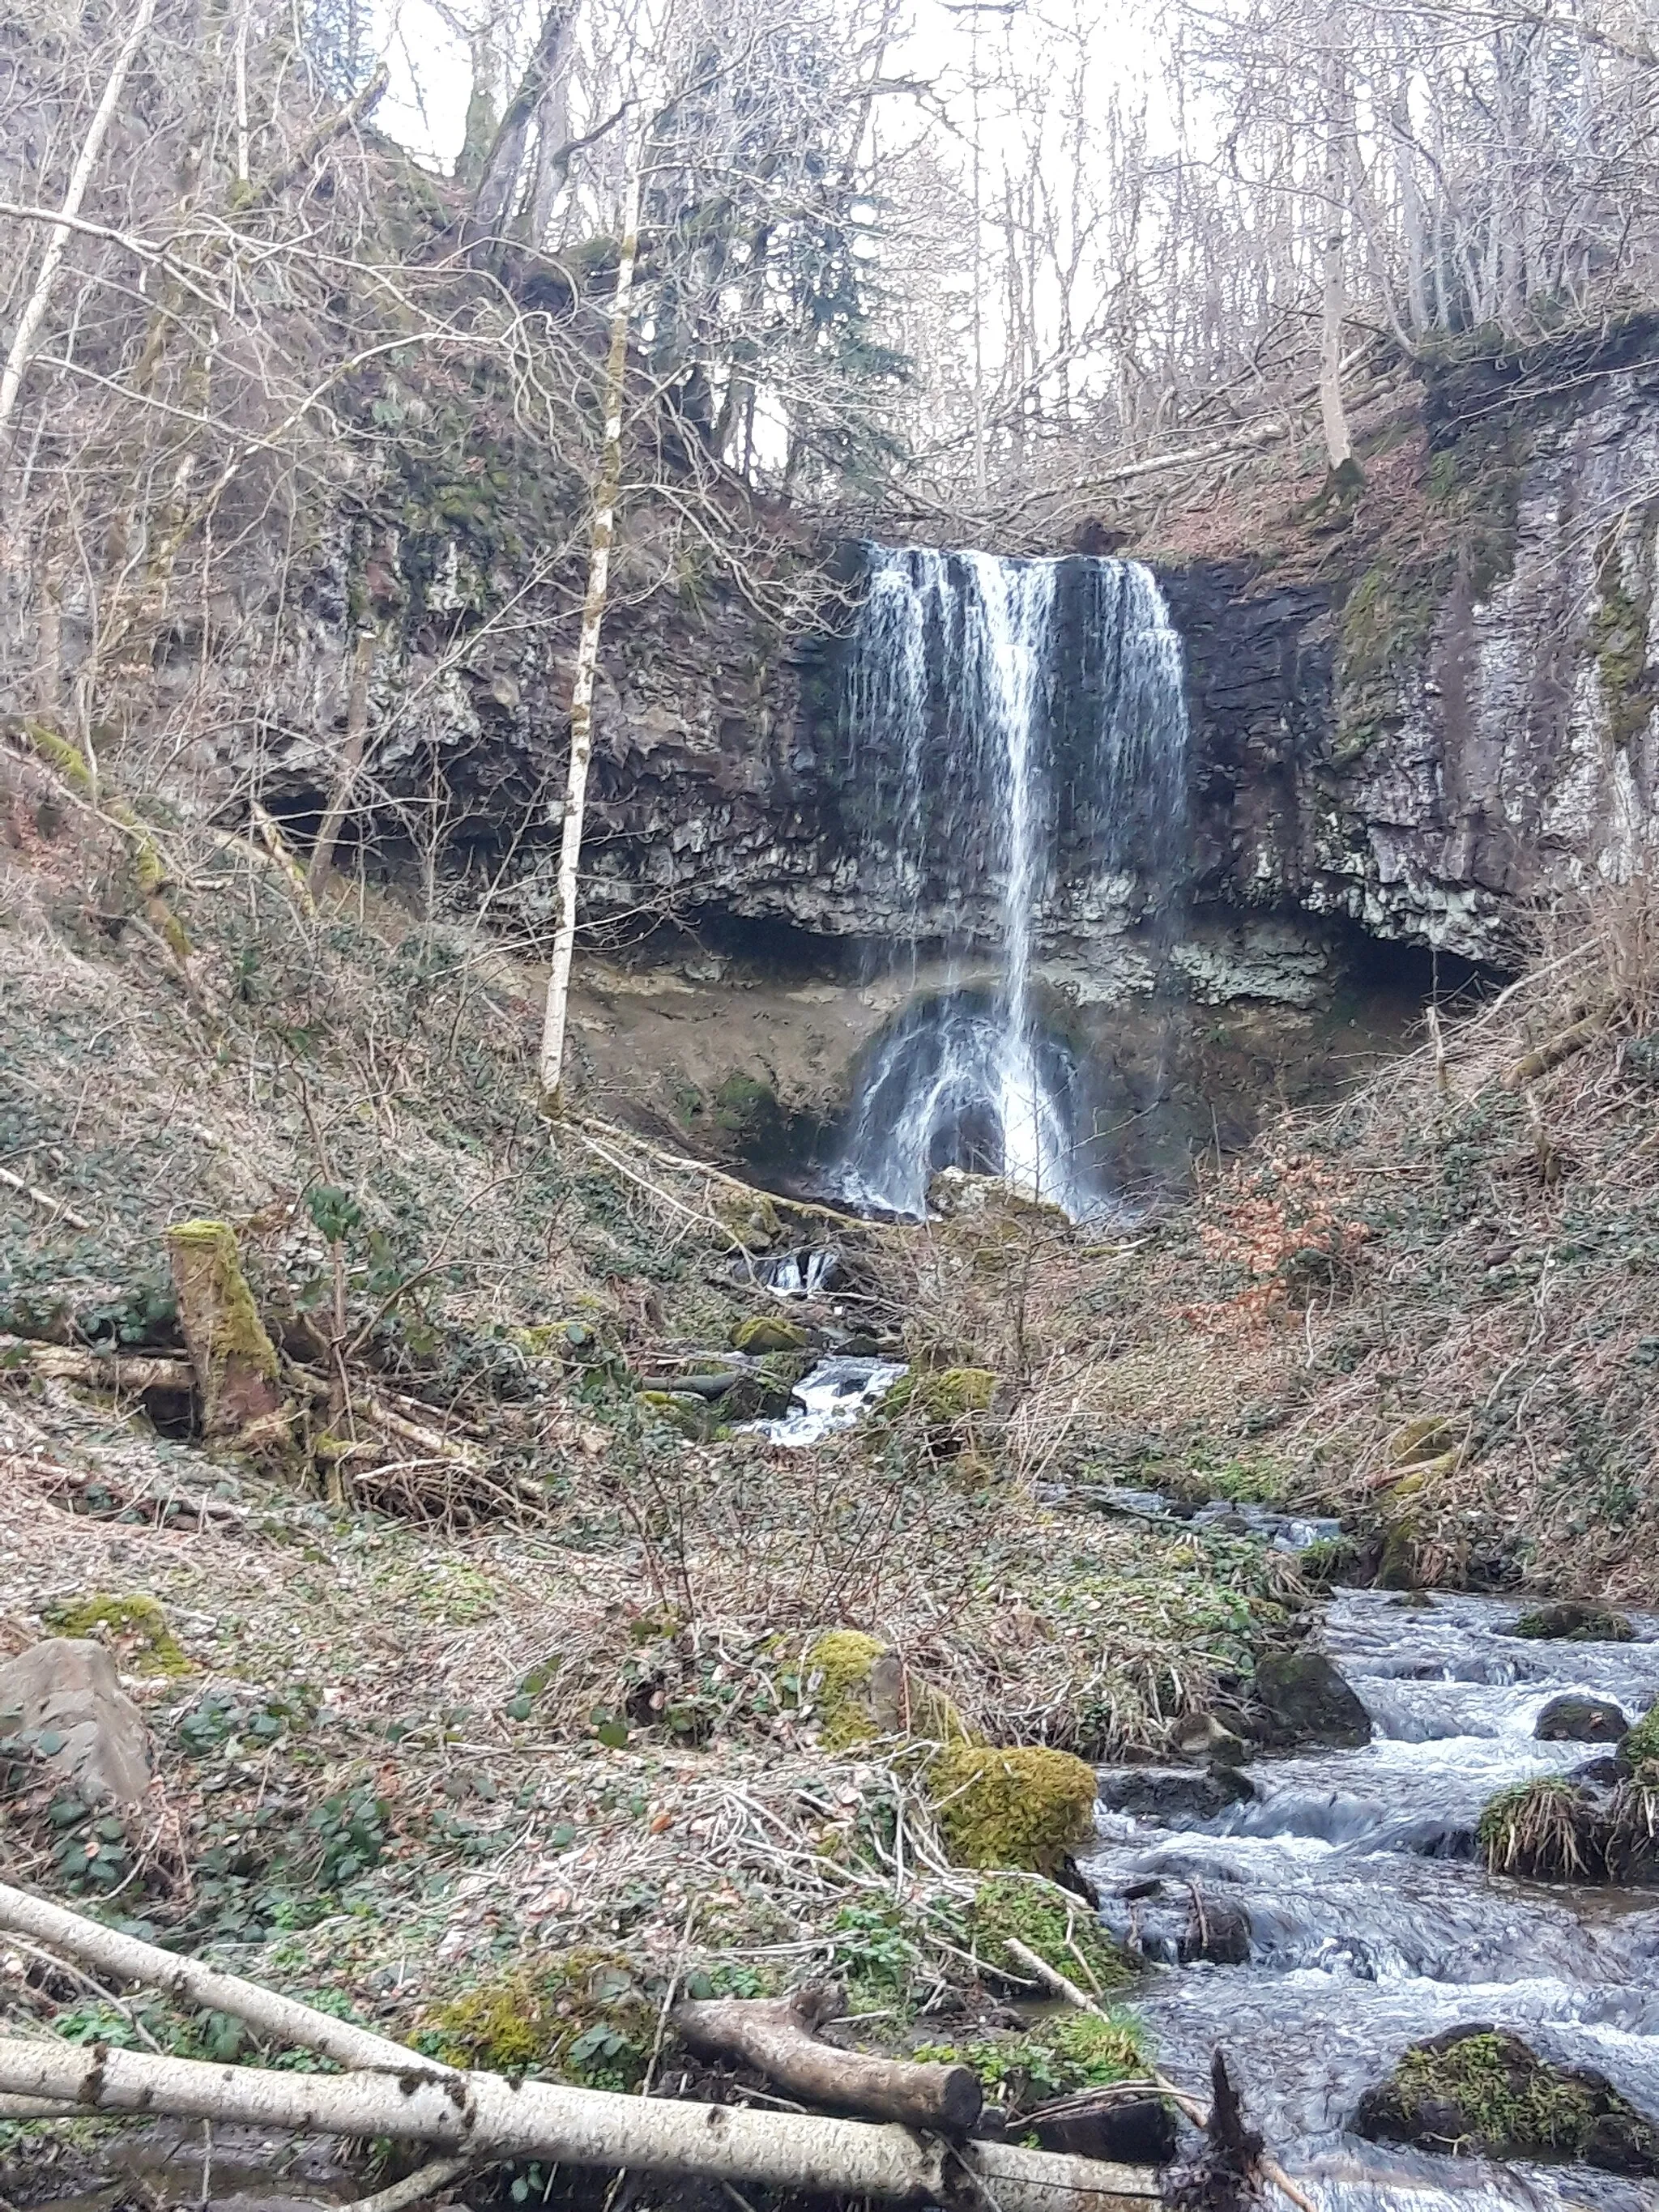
(1417,716)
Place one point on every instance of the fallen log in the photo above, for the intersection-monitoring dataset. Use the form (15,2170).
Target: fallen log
(491,2119)
(101,1371)
(1552,1050)
(780,2036)
(185,1981)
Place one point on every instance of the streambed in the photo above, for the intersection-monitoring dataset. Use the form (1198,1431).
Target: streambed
(1369,1925)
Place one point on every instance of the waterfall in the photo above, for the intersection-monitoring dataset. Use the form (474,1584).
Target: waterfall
(1015,738)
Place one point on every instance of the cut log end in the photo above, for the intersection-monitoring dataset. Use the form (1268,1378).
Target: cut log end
(779,2037)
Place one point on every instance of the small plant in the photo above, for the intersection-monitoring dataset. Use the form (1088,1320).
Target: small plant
(1545,1828)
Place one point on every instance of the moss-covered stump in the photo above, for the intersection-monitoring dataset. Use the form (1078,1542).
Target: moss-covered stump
(1026,1807)
(862,1692)
(1480,2092)
(234,1360)
(1572,1621)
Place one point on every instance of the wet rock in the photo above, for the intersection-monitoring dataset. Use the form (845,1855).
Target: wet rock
(1301,1698)
(1171,1794)
(1478,2089)
(62,1703)
(1206,1735)
(1575,1719)
(1139,2132)
(1217,1929)
(1572,1621)
(1603,1773)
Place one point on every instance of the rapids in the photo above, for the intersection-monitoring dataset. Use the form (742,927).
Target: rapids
(1370,1925)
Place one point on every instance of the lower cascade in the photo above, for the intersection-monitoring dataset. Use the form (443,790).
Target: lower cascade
(1334,1915)
(997,712)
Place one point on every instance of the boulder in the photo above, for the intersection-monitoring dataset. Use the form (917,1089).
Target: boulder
(1171,1794)
(1217,1929)
(1479,2090)
(1301,1698)
(1573,1718)
(1027,1807)
(62,1703)
(769,1333)
(1572,1621)
(1206,1735)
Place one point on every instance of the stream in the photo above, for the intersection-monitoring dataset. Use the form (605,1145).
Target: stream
(1369,1925)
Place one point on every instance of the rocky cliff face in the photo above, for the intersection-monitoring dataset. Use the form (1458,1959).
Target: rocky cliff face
(1419,719)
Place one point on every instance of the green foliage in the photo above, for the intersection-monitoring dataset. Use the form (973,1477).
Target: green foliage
(873,1946)
(1060,2057)
(588,2019)
(1054,1923)
(220,1721)
(1639,1746)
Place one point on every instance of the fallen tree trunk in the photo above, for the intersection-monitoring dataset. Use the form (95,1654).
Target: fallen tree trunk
(102,1371)
(490,2118)
(778,2035)
(127,1958)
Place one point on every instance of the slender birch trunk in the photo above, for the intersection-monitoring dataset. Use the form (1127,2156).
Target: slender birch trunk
(45,282)
(346,769)
(605,492)
(1339,444)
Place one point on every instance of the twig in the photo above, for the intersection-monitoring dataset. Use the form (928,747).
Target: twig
(413,2188)
(44,1200)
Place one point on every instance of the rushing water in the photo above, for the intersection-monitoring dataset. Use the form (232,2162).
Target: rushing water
(836,1393)
(1371,1926)
(997,711)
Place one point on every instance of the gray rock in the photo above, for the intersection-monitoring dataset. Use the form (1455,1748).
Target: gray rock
(64,1698)
(1302,1699)
(1575,1719)
(1171,1794)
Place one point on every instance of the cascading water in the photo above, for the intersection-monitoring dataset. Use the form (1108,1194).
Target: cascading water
(1366,1926)
(998,715)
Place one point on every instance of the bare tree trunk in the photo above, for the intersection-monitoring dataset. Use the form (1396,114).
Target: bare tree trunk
(1338,444)
(490,2119)
(605,492)
(40,299)
(498,177)
(780,2036)
(350,761)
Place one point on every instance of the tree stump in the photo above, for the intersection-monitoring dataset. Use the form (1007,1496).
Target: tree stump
(234,1360)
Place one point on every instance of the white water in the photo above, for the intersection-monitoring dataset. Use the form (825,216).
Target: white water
(980,744)
(1368,1932)
(835,1394)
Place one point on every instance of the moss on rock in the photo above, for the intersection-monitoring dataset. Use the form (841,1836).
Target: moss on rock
(1479,2091)
(768,1333)
(1025,1808)
(1573,1621)
(1545,1828)
(137,1627)
(862,1691)
(586,2020)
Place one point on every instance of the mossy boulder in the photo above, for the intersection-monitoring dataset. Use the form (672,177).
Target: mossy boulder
(1572,1621)
(135,1628)
(1029,1807)
(862,1692)
(786,1368)
(940,1399)
(681,1411)
(1479,2091)
(763,1333)
(1053,1923)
